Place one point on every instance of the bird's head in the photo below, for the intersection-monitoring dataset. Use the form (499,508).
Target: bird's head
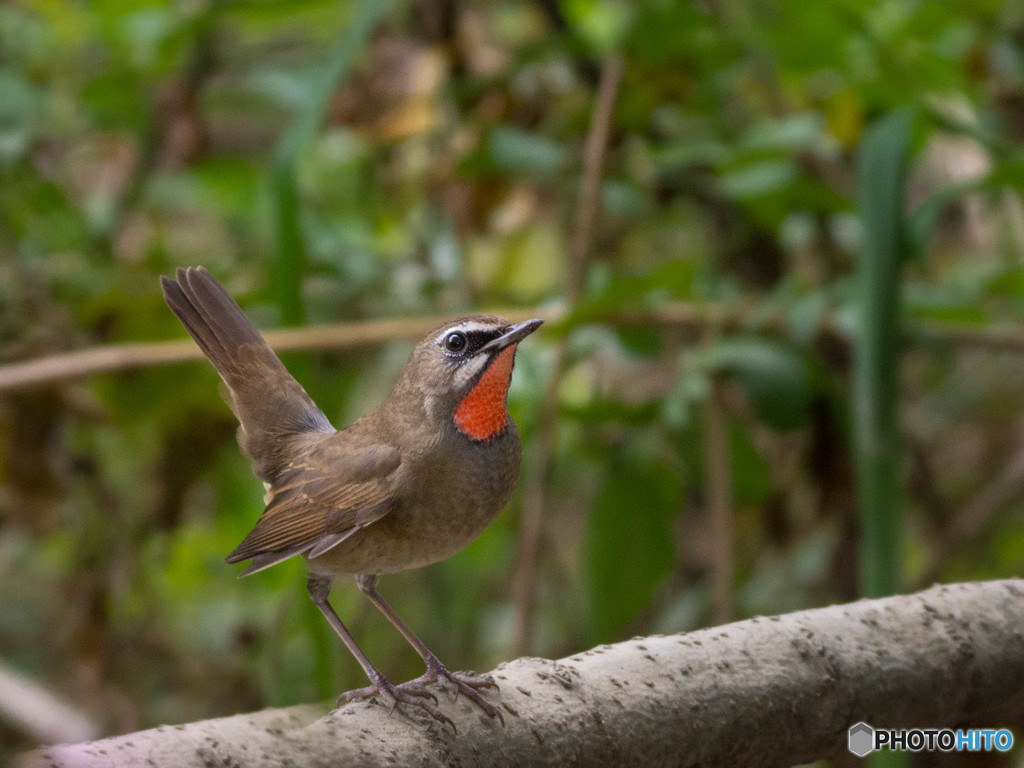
(462,370)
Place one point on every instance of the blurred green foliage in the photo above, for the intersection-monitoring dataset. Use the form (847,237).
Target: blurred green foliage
(439,175)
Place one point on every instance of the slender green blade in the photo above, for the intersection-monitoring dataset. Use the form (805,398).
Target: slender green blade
(881,195)
(284,190)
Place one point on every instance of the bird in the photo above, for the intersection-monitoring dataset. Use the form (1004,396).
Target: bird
(406,485)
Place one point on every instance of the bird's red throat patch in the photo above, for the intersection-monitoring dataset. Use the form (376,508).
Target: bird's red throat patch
(482,414)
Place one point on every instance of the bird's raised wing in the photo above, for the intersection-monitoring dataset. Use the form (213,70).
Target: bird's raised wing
(321,498)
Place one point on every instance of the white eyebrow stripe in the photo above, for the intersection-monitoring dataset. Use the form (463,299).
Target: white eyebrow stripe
(471,326)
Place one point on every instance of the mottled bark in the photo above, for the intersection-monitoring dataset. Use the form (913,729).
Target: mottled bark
(767,691)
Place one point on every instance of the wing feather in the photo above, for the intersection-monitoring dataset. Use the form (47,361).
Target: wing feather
(324,498)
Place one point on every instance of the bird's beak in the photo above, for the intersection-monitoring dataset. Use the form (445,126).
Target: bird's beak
(513,335)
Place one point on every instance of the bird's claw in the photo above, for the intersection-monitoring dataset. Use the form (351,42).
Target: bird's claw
(412,693)
(415,692)
(466,685)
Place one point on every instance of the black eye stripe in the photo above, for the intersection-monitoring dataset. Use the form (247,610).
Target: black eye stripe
(475,339)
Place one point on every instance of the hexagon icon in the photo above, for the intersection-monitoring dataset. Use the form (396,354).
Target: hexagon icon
(861,739)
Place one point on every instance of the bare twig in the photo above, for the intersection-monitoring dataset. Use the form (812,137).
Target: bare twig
(126,357)
(593,172)
(973,520)
(38,713)
(692,317)
(1006,338)
(531,528)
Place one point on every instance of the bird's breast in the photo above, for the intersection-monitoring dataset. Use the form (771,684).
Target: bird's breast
(444,499)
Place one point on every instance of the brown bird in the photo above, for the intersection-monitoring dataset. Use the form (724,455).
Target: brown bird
(408,484)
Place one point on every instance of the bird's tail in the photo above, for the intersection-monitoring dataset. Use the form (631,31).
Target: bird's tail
(212,318)
(269,403)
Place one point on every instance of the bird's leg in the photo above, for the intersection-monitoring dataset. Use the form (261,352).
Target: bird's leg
(319,588)
(467,686)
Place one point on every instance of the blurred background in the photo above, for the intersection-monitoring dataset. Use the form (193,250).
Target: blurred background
(710,200)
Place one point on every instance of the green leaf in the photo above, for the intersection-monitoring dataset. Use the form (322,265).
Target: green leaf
(514,151)
(628,547)
(960,303)
(607,293)
(642,341)
(805,314)
(774,378)
(20,104)
(751,476)
(790,134)
(606,409)
(602,23)
(624,199)
(681,155)
(756,179)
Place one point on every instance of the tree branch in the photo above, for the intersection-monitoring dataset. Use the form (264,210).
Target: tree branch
(126,357)
(760,692)
(690,316)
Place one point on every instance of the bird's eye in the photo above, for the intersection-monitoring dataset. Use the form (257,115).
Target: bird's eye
(455,342)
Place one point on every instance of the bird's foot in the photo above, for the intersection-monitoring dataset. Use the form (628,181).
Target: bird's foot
(412,693)
(466,685)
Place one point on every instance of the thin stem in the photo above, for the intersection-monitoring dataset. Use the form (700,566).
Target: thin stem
(718,473)
(531,527)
